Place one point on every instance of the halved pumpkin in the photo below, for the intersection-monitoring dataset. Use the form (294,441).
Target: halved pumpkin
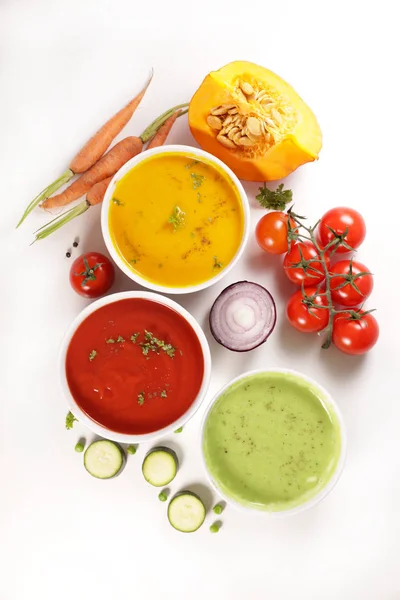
(254,121)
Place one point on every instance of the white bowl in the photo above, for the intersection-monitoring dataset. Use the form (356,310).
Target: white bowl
(113,251)
(327,399)
(103,431)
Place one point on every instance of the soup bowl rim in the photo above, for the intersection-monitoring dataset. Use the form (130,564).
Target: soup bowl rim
(326,397)
(101,430)
(133,162)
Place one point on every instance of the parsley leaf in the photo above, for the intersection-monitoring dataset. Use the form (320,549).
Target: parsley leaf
(177,218)
(140,398)
(197,180)
(134,337)
(92,355)
(70,420)
(120,339)
(163,394)
(274,200)
(217,264)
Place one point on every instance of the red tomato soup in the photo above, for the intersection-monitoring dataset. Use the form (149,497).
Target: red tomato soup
(134,366)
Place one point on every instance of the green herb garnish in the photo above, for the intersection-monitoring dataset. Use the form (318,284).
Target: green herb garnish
(197,180)
(117,202)
(199,197)
(177,218)
(192,164)
(131,449)
(163,394)
(155,345)
(140,398)
(274,199)
(70,420)
(110,341)
(134,337)
(92,355)
(179,430)
(120,339)
(217,264)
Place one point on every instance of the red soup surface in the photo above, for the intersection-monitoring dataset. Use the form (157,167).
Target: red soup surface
(134,366)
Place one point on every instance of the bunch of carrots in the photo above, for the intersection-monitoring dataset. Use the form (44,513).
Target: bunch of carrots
(96,169)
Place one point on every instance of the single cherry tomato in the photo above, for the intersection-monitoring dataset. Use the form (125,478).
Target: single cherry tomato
(297,268)
(303,315)
(359,283)
(355,335)
(272,232)
(339,220)
(91,275)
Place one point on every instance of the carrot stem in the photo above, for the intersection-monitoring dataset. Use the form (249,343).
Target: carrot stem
(59,221)
(48,191)
(152,129)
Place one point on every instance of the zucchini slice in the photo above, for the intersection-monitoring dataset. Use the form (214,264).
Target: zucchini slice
(186,512)
(103,459)
(160,466)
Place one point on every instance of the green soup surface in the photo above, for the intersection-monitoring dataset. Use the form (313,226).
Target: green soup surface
(271,441)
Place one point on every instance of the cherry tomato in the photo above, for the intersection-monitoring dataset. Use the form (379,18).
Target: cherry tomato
(272,232)
(303,316)
(339,219)
(309,274)
(91,275)
(355,335)
(348,295)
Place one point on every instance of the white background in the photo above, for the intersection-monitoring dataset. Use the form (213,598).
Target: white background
(64,68)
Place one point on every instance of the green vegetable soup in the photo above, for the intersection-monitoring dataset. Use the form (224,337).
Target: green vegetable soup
(271,442)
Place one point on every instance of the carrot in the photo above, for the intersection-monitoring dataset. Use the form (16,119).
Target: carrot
(96,193)
(162,134)
(91,151)
(109,164)
(105,167)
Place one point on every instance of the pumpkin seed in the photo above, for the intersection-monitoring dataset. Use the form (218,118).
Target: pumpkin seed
(225,141)
(232,132)
(246,88)
(221,110)
(254,126)
(276,116)
(245,141)
(227,121)
(214,122)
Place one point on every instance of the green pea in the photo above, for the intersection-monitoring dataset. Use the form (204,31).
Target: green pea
(79,447)
(131,449)
(218,508)
(214,528)
(179,430)
(162,496)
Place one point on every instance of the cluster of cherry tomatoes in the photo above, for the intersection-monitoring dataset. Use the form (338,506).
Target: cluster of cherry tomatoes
(334,287)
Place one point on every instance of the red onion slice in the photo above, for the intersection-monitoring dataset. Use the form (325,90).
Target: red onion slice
(243,316)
